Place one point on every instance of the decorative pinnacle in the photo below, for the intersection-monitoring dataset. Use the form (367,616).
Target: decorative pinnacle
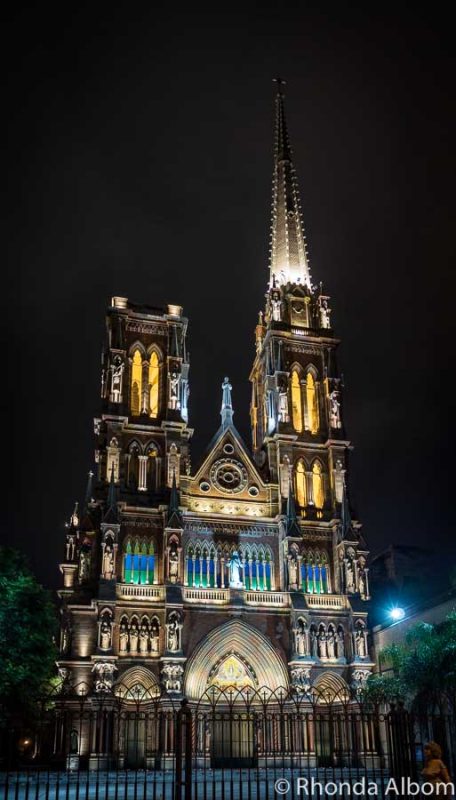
(227,406)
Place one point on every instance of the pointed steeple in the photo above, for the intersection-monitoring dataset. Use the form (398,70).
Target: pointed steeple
(346,524)
(226,411)
(89,491)
(174,515)
(289,263)
(293,528)
(112,512)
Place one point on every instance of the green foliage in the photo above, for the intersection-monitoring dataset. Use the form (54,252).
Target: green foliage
(27,628)
(422,667)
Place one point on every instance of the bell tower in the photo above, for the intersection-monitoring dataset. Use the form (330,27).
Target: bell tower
(296,406)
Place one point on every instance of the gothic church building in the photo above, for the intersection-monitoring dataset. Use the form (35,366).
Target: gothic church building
(246,573)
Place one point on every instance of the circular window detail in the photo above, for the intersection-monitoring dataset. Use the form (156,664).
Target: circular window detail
(228,476)
(254,491)
(228,449)
(204,486)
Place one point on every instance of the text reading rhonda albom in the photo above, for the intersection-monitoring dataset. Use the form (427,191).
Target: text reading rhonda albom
(393,787)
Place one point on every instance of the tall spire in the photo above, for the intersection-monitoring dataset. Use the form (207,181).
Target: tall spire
(174,519)
(226,411)
(288,262)
(293,528)
(112,513)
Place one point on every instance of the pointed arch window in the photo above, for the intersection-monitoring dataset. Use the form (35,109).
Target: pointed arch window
(154,384)
(312,403)
(300,480)
(139,562)
(296,401)
(317,485)
(136,383)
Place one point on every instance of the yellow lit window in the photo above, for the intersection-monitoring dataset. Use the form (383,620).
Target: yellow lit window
(301,484)
(317,485)
(312,405)
(154,375)
(136,383)
(296,401)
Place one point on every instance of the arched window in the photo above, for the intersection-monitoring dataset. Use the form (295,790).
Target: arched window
(314,573)
(312,403)
(301,494)
(296,401)
(154,383)
(136,383)
(139,562)
(317,485)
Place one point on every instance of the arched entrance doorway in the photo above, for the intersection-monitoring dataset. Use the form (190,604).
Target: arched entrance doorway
(138,689)
(333,721)
(231,672)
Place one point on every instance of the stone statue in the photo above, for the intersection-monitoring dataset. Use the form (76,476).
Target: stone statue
(322,644)
(173,565)
(134,635)
(361,583)
(313,643)
(105,635)
(300,679)
(331,644)
(172,677)
(66,638)
(108,563)
(300,639)
(116,381)
(70,548)
(104,676)
(235,570)
(325,312)
(293,572)
(154,640)
(283,406)
(340,643)
(360,643)
(276,307)
(84,565)
(143,640)
(173,636)
(123,639)
(349,576)
(174,379)
(334,409)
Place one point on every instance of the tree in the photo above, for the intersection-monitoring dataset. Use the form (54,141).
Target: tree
(27,628)
(420,669)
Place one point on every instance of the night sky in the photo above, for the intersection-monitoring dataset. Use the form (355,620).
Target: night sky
(140,163)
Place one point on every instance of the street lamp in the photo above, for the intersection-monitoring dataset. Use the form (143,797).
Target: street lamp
(397,613)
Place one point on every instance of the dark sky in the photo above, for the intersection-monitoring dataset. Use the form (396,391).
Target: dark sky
(140,159)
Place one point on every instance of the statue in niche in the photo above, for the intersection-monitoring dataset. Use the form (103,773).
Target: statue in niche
(322,644)
(339,481)
(293,572)
(334,409)
(283,405)
(84,564)
(340,643)
(313,642)
(173,636)
(70,548)
(105,635)
(173,564)
(66,638)
(108,562)
(331,644)
(360,643)
(325,312)
(117,369)
(276,307)
(174,379)
(301,638)
(123,638)
(74,743)
(134,636)
(154,639)
(235,571)
(349,576)
(143,640)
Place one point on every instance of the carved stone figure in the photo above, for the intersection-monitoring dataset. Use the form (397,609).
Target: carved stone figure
(300,679)
(313,643)
(334,410)
(105,635)
(276,307)
(331,644)
(235,570)
(134,635)
(70,548)
(173,636)
(349,576)
(172,677)
(143,640)
(340,643)
(173,564)
(325,312)
(322,645)
(154,640)
(84,565)
(283,406)
(174,379)
(108,563)
(123,638)
(293,572)
(66,638)
(300,634)
(360,643)
(359,680)
(104,675)
(116,381)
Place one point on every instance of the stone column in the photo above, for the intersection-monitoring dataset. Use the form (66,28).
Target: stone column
(142,481)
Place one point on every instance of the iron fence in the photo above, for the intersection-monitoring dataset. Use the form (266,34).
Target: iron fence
(118,745)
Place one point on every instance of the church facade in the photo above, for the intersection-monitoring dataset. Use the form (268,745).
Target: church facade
(246,573)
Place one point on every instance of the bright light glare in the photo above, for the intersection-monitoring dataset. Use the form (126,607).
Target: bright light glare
(397,613)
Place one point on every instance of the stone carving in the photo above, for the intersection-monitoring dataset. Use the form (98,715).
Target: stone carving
(340,643)
(322,644)
(104,675)
(105,634)
(349,576)
(360,643)
(235,571)
(117,369)
(324,313)
(293,571)
(133,639)
(173,401)
(331,643)
(84,563)
(301,638)
(70,548)
(172,675)
(283,405)
(154,639)
(359,680)
(334,410)
(276,307)
(300,679)
(173,570)
(173,633)
(313,643)
(108,563)
(123,638)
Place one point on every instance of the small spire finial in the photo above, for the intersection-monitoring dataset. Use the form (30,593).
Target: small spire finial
(227,406)
(280,82)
